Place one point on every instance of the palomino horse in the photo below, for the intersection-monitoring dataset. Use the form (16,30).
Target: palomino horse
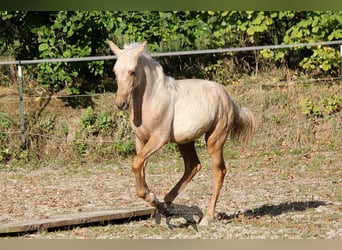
(169,111)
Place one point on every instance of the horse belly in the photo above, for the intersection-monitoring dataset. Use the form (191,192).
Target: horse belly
(191,125)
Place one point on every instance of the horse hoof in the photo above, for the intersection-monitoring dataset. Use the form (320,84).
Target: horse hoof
(163,209)
(152,200)
(205,221)
(203,224)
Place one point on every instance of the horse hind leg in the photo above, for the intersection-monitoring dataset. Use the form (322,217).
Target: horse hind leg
(215,148)
(192,166)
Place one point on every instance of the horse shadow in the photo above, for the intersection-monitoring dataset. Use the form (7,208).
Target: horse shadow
(193,214)
(273,210)
(178,213)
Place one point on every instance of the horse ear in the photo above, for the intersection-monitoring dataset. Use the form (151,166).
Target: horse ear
(116,50)
(140,49)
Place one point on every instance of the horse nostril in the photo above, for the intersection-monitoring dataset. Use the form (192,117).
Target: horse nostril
(122,105)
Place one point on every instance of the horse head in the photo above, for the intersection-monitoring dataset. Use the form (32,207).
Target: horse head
(126,71)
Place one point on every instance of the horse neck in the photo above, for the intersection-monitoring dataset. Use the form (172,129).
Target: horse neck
(149,78)
(149,82)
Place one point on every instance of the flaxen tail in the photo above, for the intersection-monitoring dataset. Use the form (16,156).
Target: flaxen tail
(243,128)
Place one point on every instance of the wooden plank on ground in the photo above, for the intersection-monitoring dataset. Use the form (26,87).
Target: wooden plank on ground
(80,218)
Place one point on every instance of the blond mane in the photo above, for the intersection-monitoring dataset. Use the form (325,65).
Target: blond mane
(167,80)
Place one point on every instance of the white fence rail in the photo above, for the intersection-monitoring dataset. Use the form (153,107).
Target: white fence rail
(178,53)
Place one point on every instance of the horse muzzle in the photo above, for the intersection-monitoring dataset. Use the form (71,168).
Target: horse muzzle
(122,105)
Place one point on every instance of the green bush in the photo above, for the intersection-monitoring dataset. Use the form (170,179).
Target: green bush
(317,109)
(317,26)
(95,122)
(332,104)
(124,148)
(60,34)
(5,124)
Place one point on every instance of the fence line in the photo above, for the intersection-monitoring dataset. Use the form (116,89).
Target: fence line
(55,97)
(32,97)
(176,53)
(8,133)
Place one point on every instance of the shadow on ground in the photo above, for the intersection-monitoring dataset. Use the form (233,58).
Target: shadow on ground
(175,212)
(273,210)
(192,215)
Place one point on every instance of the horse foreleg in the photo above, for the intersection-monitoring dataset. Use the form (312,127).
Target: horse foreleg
(144,151)
(192,166)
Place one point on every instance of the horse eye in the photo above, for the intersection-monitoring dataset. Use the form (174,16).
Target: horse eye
(132,73)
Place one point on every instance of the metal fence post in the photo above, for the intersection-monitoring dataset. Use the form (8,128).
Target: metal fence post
(21,107)
(341,58)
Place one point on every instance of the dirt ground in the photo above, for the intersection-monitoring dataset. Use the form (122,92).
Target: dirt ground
(291,197)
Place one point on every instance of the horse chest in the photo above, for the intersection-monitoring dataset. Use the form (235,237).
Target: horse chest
(148,124)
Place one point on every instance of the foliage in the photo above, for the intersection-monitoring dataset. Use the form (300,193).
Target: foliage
(71,34)
(5,123)
(310,109)
(332,104)
(216,71)
(94,122)
(318,26)
(48,124)
(124,148)
(27,35)
(80,146)
(326,106)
